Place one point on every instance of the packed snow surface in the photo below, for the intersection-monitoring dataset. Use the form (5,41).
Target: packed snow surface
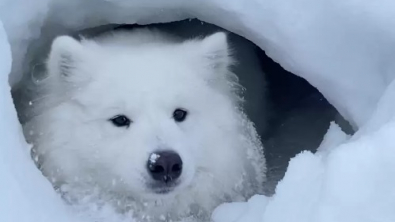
(345,48)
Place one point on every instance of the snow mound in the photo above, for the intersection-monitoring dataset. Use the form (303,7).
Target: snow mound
(345,48)
(351,182)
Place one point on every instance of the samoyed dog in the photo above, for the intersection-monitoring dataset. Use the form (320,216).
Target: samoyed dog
(152,121)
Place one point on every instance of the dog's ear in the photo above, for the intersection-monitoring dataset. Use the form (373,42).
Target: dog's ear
(215,51)
(65,57)
(214,55)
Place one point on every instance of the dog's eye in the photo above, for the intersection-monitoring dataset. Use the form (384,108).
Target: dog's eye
(120,121)
(179,115)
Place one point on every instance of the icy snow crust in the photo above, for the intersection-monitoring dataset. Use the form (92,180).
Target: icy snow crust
(345,48)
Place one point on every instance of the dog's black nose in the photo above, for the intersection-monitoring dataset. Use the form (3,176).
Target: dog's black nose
(165,166)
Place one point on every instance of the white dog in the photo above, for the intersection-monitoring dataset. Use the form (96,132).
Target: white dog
(148,119)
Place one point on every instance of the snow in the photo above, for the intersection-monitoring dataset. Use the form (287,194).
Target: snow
(345,48)
(153,158)
(351,182)
(22,188)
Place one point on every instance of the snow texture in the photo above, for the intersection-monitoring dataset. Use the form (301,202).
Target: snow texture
(350,182)
(23,191)
(345,48)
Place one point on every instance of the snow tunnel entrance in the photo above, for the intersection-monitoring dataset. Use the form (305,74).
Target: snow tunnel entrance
(297,115)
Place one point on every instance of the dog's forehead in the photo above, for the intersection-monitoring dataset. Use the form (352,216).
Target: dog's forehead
(140,87)
(148,71)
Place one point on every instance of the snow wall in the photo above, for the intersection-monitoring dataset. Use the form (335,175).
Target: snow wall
(345,48)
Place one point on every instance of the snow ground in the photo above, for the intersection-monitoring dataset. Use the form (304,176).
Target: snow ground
(344,48)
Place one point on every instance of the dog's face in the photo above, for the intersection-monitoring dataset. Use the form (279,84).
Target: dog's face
(144,122)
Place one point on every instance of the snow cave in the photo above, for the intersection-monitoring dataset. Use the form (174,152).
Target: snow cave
(329,69)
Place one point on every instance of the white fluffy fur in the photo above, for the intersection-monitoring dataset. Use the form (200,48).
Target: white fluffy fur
(145,75)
